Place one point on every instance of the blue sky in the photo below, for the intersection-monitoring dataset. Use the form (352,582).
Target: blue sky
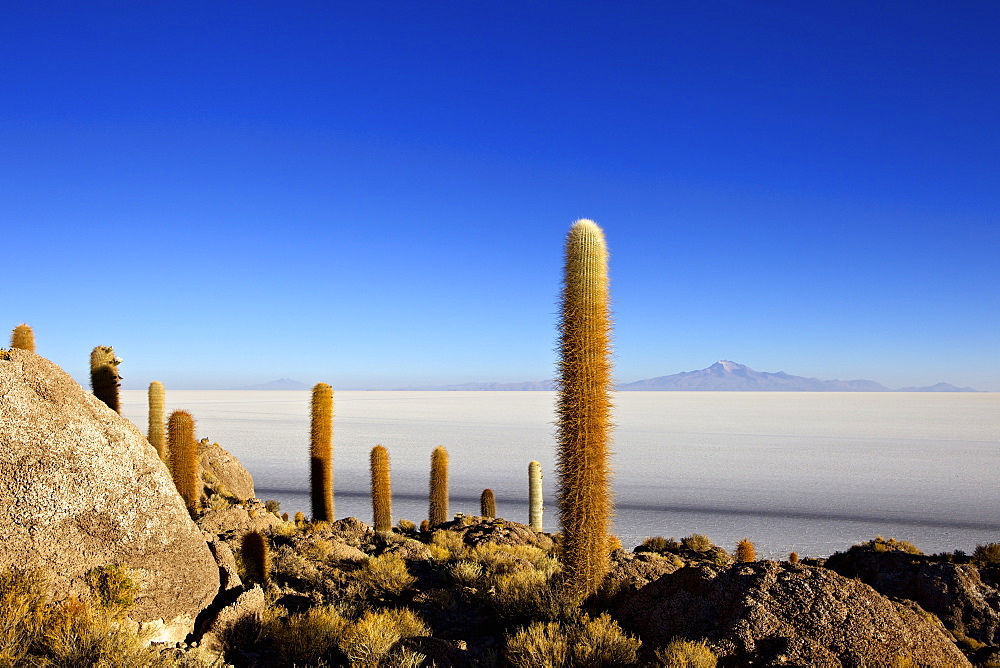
(375,195)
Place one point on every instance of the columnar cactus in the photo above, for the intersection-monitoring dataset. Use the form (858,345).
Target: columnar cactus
(535,496)
(256,557)
(381,490)
(584,410)
(439,487)
(321,453)
(23,338)
(745,551)
(184,466)
(488,503)
(104,376)
(156,433)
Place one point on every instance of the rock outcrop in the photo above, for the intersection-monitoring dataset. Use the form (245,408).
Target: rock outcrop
(80,488)
(223,474)
(954,592)
(769,613)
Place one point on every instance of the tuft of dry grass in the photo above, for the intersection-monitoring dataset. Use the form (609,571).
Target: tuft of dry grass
(385,574)
(375,633)
(681,653)
(583,642)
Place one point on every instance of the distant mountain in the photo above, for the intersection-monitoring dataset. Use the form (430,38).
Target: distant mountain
(281,384)
(731,376)
(940,387)
(530,386)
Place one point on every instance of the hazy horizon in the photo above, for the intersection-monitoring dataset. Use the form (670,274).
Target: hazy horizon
(377,195)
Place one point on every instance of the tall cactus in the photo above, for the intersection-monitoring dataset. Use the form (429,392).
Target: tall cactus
(23,338)
(321,453)
(488,503)
(157,426)
(584,410)
(184,466)
(381,490)
(104,376)
(535,496)
(256,557)
(438,513)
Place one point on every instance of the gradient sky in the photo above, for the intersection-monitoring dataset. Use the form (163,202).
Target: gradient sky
(376,195)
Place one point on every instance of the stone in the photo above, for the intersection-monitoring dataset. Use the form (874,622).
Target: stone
(476,530)
(223,474)
(239,519)
(770,613)
(81,487)
(954,592)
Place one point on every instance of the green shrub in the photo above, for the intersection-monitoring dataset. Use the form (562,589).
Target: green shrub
(680,653)
(113,588)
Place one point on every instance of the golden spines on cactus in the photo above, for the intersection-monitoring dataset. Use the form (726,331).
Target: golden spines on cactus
(184,465)
(256,557)
(23,338)
(745,551)
(321,453)
(381,490)
(438,513)
(104,376)
(535,496)
(488,503)
(584,409)
(157,425)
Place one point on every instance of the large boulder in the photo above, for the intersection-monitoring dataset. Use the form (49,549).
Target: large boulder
(781,614)
(223,474)
(81,488)
(954,592)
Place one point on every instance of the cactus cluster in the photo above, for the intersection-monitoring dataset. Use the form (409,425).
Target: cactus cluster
(584,410)
(321,453)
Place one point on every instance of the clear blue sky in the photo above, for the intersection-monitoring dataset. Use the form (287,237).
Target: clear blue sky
(375,195)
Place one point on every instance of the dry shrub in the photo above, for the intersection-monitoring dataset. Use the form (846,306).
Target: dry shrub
(385,574)
(407,527)
(697,542)
(450,541)
(369,639)
(114,588)
(22,612)
(76,634)
(466,573)
(986,555)
(880,544)
(584,642)
(680,653)
(308,637)
(660,544)
(745,551)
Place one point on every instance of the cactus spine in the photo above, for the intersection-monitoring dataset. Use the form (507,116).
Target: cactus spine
(439,487)
(104,376)
(184,466)
(157,426)
(535,496)
(23,338)
(256,557)
(584,410)
(488,503)
(321,453)
(381,490)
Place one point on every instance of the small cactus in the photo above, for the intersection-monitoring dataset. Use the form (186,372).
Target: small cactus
(793,557)
(381,490)
(157,434)
(104,376)
(256,557)
(488,503)
(535,496)
(23,338)
(584,410)
(745,551)
(321,453)
(438,513)
(184,466)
